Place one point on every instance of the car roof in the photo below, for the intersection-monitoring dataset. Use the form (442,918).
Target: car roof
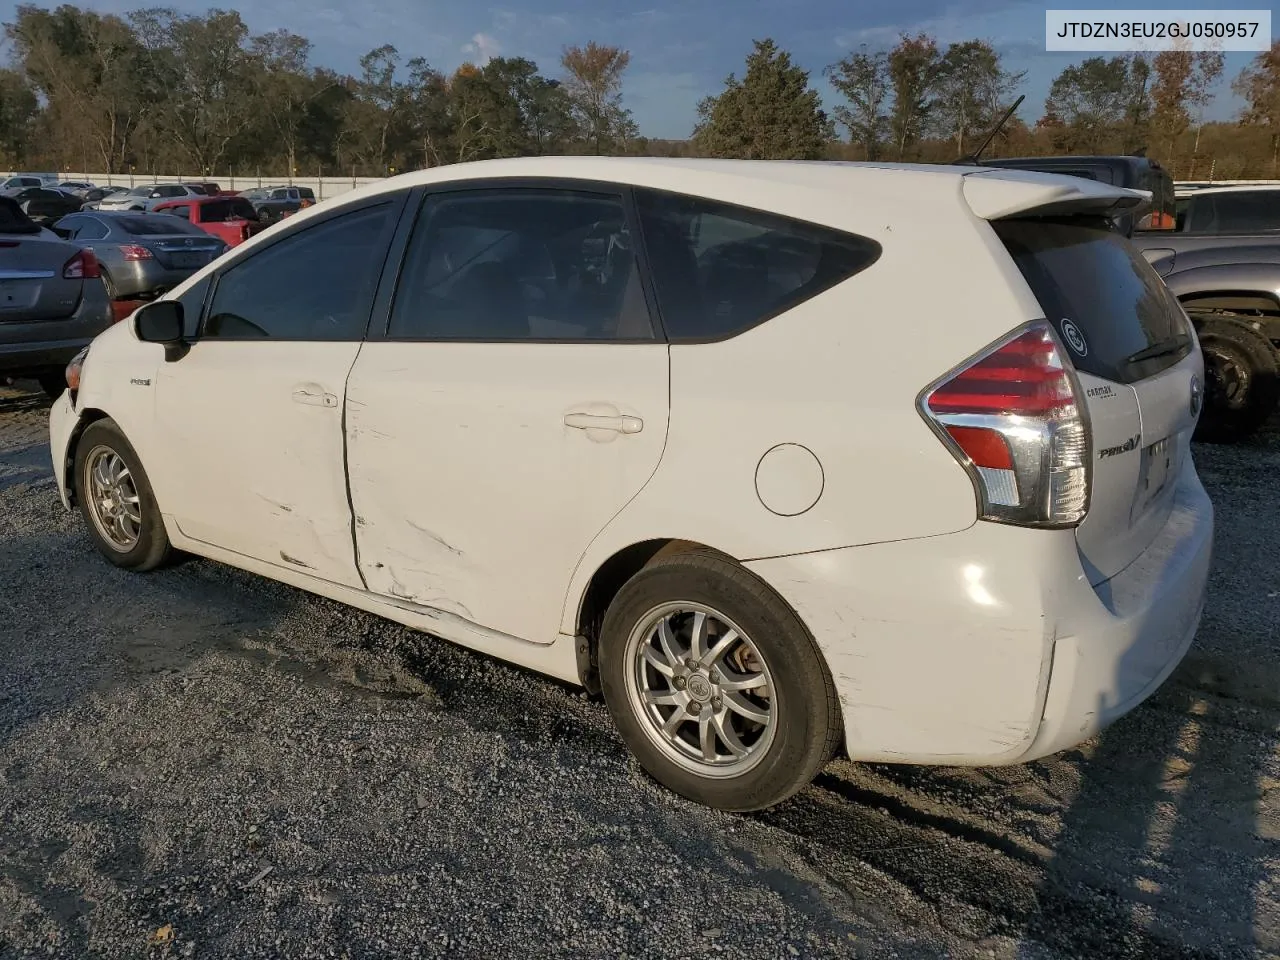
(891,188)
(199,199)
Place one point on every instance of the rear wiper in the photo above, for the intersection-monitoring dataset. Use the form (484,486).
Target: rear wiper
(1161,349)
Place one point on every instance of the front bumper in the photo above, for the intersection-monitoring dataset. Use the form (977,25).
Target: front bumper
(989,646)
(62,424)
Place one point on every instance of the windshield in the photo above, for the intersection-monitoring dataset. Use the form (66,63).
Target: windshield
(156,226)
(220,211)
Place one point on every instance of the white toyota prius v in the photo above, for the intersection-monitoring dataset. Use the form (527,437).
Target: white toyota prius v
(781,458)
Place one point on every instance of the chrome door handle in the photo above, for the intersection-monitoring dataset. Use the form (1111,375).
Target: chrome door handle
(588,421)
(315,395)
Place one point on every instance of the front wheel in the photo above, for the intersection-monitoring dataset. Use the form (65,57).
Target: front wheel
(715,684)
(116,499)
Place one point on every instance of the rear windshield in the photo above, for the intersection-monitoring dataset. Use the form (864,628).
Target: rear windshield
(221,211)
(1109,306)
(155,226)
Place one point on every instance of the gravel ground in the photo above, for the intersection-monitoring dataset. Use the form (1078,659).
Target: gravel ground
(203,763)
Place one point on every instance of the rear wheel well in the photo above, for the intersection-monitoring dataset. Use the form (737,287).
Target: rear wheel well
(1247,305)
(603,587)
(87,416)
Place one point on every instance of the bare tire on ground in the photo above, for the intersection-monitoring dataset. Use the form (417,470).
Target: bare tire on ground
(116,500)
(1242,379)
(715,684)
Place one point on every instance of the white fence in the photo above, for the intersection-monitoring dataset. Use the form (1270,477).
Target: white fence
(324,187)
(1226,183)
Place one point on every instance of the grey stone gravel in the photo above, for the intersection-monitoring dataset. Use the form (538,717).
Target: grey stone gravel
(201,763)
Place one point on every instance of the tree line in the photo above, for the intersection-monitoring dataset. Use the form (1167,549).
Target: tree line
(160,91)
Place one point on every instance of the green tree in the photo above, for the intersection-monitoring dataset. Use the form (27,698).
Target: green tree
(1179,93)
(375,107)
(972,90)
(1259,86)
(200,70)
(593,85)
(771,114)
(284,88)
(862,78)
(1093,102)
(19,108)
(87,67)
(914,69)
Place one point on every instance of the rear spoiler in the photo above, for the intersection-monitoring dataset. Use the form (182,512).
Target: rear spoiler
(1000,193)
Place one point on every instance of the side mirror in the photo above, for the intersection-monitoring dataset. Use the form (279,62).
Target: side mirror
(161,322)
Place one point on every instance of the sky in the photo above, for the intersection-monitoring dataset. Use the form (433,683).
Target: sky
(681,50)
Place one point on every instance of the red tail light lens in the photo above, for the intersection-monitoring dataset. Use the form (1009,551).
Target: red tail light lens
(134,252)
(83,266)
(1012,418)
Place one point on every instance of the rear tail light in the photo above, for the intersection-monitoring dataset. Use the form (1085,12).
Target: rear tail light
(83,266)
(134,252)
(1013,417)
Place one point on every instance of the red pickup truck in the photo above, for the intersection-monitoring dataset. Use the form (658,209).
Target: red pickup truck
(232,219)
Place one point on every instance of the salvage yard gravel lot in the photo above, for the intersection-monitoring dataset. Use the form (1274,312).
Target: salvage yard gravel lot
(199,762)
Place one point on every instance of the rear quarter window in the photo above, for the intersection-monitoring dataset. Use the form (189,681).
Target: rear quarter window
(719,269)
(1087,277)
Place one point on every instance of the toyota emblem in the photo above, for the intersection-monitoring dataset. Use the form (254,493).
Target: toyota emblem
(1197,395)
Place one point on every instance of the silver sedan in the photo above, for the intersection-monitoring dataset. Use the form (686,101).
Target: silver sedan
(142,255)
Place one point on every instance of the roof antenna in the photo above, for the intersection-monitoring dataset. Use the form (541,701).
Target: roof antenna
(972,158)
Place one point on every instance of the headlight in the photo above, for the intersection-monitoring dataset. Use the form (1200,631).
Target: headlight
(74,368)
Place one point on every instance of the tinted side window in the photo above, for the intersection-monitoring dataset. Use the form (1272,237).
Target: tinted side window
(521,264)
(193,304)
(720,269)
(317,284)
(183,211)
(1243,212)
(89,229)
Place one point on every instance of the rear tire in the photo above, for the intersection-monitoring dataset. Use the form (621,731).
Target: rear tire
(112,293)
(1242,380)
(52,384)
(116,500)
(753,720)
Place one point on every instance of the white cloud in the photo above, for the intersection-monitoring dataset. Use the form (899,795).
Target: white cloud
(483,47)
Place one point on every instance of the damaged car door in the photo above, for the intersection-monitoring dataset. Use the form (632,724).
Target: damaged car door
(252,414)
(517,401)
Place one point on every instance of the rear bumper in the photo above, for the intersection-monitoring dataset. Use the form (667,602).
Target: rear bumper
(134,278)
(38,345)
(989,646)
